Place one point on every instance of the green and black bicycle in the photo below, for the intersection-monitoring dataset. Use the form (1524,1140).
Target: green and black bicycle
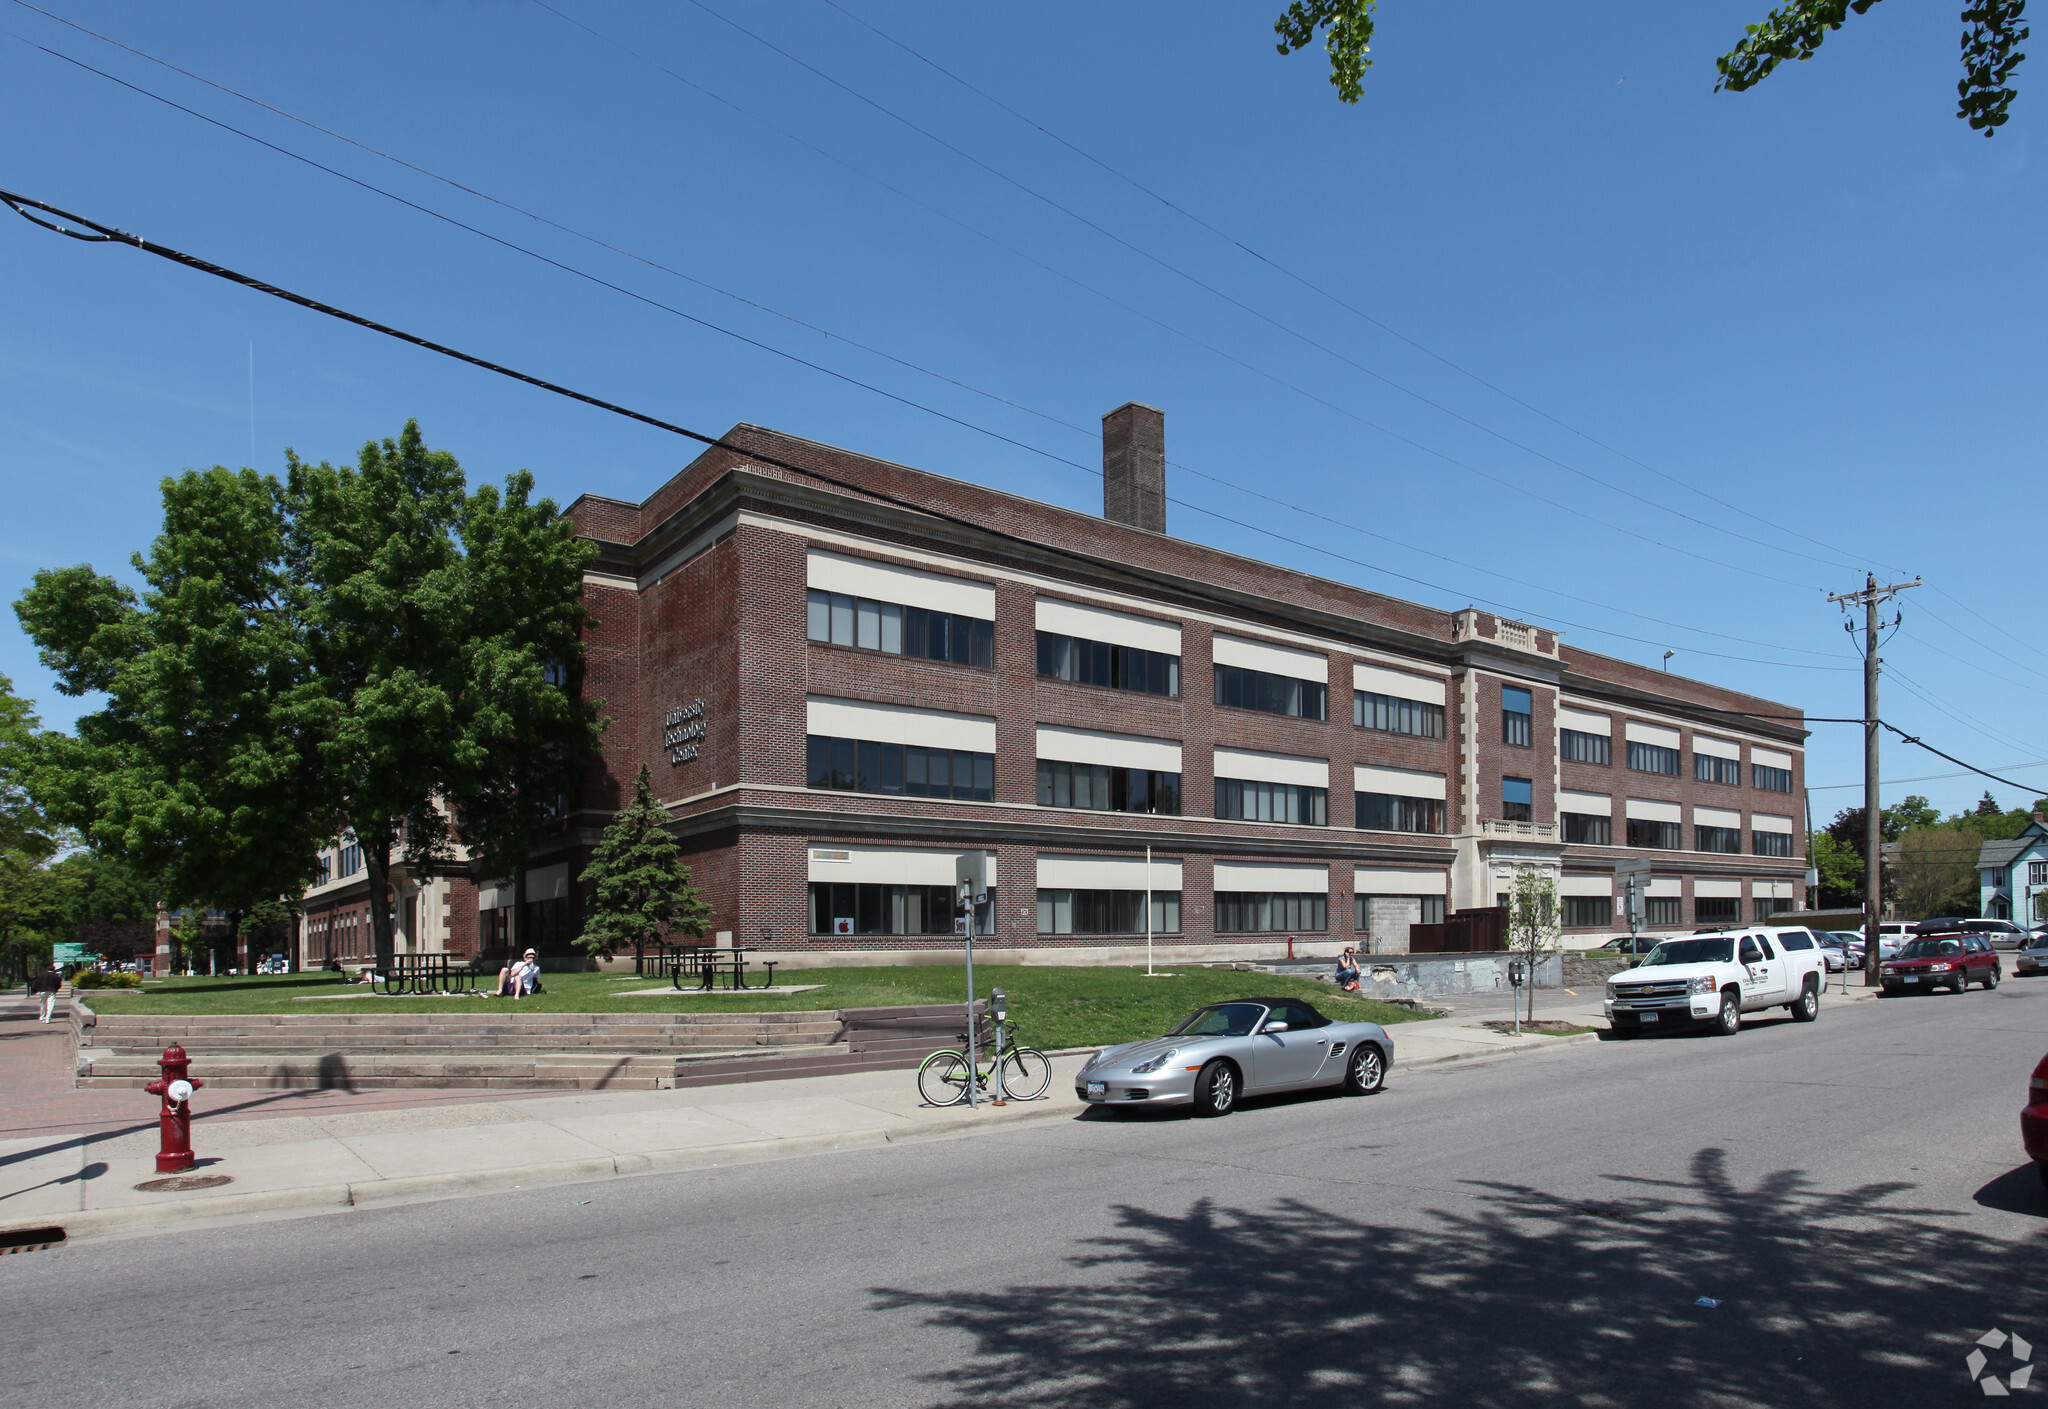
(1025,1072)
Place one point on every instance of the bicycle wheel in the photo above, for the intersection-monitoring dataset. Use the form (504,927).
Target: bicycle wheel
(942,1079)
(1026,1073)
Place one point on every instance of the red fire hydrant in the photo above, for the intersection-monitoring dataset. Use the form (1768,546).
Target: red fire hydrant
(175,1121)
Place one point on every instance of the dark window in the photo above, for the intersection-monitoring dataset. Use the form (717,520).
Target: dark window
(1517,799)
(1764,906)
(1656,836)
(1728,839)
(1709,910)
(1261,912)
(1586,829)
(1246,801)
(1650,758)
(1515,706)
(1274,694)
(842,620)
(1662,909)
(1106,912)
(898,770)
(1111,667)
(1709,769)
(1773,780)
(1585,748)
(1795,939)
(1588,911)
(881,909)
(1394,715)
(1771,843)
(1101,788)
(1384,812)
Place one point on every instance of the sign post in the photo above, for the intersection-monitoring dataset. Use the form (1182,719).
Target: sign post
(970,868)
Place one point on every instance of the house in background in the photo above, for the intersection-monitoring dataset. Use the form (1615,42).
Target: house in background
(2012,876)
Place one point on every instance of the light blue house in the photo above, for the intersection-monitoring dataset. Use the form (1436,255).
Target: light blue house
(2013,877)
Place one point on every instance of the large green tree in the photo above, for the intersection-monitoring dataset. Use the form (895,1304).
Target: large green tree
(642,889)
(1992,34)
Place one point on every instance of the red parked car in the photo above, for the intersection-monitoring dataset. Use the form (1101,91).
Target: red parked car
(1942,961)
(2034,1120)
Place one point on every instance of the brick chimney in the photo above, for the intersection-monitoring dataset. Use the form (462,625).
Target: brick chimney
(1134,466)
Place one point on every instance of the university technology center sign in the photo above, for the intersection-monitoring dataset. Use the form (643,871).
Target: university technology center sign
(682,732)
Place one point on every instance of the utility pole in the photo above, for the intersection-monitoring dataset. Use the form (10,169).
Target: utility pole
(1873,821)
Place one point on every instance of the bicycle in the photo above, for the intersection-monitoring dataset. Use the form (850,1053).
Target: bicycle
(942,1077)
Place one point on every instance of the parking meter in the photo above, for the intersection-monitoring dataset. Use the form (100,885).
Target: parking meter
(1515,973)
(998,1005)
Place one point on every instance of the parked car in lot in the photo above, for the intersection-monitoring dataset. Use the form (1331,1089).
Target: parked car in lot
(2034,958)
(2003,934)
(2034,1119)
(1953,961)
(1244,1048)
(1713,979)
(1628,944)
(1852,946)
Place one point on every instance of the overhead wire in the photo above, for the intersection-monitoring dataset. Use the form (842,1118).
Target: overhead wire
(607,245)
(1923,778)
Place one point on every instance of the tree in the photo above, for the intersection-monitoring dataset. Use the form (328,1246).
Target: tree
(1991,35)
(1841,871)
(111,908)
(642,887)
(1532,922)
(1936,872)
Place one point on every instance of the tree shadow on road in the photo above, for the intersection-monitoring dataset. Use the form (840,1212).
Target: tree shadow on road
(1512,1297)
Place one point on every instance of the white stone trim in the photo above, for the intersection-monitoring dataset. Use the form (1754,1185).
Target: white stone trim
(898,724)
(884,582)
(1116,750)
(1277,877)
(1106,873)
(1115,628)
(1257,767)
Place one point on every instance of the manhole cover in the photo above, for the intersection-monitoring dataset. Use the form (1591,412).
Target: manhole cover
(177,1183)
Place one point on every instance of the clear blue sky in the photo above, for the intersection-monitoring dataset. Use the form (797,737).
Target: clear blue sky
(1819,303)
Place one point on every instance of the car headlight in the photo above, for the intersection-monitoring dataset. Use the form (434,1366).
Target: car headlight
(1157,1062)
(1939,968)
(1702,984)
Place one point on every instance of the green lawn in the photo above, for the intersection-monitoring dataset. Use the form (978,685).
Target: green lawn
(1051,1007)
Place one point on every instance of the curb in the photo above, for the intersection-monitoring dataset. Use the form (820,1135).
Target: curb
(1577,1039)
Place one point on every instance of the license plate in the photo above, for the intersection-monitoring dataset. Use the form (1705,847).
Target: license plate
(1910,978)
(1646,1017)
(1097,1090)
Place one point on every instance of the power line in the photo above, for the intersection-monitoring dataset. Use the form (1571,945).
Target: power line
(1923,778)
(557,264)
(1325,293)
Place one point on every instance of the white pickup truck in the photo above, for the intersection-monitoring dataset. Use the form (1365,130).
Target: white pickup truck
(1715,978)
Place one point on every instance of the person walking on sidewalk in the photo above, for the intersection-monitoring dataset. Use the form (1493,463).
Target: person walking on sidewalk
(45,985)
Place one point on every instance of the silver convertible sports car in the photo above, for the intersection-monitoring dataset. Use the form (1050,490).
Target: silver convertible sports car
(1248,1047)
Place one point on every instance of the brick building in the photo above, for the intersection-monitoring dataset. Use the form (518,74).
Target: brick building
(845,674)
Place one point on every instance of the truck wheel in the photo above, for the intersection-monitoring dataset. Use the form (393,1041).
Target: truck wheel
(1808,1006)
(1730,1021)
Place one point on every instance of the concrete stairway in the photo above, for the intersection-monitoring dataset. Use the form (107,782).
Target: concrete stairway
(565,1051)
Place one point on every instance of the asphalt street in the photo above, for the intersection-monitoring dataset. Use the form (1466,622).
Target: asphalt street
(1526,1231)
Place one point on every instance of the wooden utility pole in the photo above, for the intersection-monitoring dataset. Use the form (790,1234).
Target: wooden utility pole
(1873,822)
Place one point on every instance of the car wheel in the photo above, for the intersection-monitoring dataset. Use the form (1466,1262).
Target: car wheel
(1991,980)
(1961,982)
(1730,1021)
(1808,1006)
(1366,1072)
(1216,1089)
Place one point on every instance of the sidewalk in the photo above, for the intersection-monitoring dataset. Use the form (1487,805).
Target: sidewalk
(73,1158)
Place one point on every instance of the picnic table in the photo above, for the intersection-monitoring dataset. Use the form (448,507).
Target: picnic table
(707,964)
(426,973)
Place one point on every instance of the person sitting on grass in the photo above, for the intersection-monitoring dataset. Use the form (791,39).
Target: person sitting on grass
(528,980)
(1347,971)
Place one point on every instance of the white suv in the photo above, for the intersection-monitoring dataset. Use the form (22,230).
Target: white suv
(1715,978)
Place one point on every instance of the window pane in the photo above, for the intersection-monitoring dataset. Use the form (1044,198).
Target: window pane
(984,777)
(867,624)
(843,759)
(842,619)
(983,651)
(915,631)
(938,626)
(1515,699)
(960,634)
(892,769)
(817,761)
(892,628)
(915,774)
(870,779)
(818,615)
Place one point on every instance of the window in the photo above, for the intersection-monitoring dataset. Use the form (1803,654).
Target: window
(1588,911)
(1261,912)
(1515,706)
(326,869)
(1517,799)
(1298,803)
(1584,748)
(1111,667)
(1712,910)
(2037,873)
(1656,836)
(1101,788)
(1430,907)
(1586,829)
(1394,715)
(351,858)
(838,619)
(1384,812)
(1763,906)
(1106,912)
(1662,909)
(1709,769)
(898,770)
(1771,780)
(1772,843)
(1653,758)
(1274,694)
(1728,839)
(881,909)
(1995,879)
